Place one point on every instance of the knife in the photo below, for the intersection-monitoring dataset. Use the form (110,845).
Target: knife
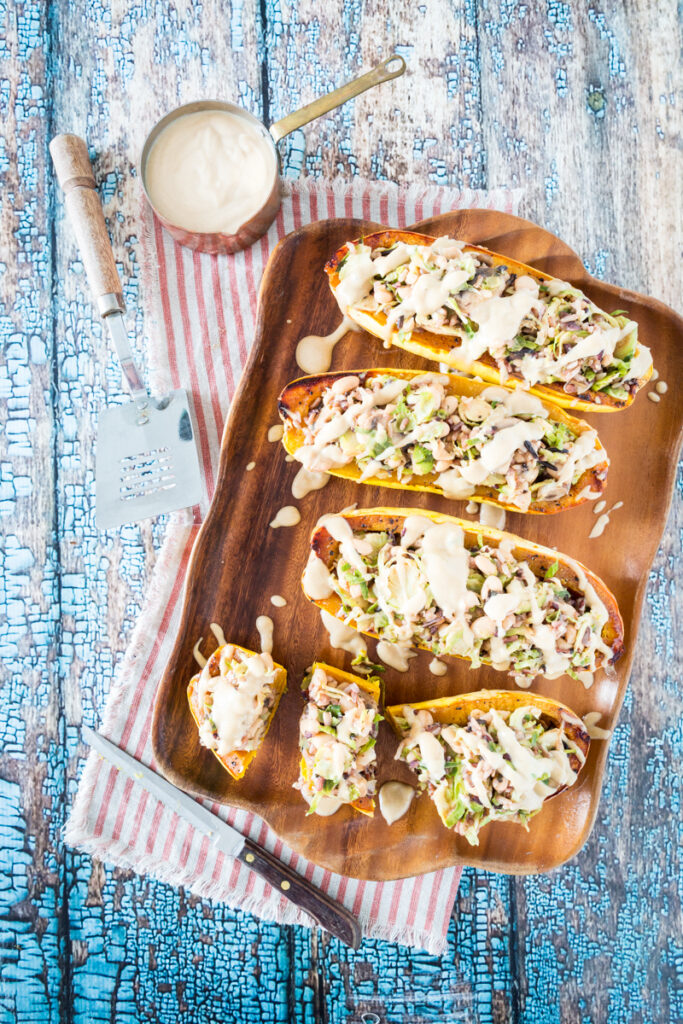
(328,913)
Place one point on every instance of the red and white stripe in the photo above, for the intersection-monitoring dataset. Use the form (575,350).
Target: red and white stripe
(204,310)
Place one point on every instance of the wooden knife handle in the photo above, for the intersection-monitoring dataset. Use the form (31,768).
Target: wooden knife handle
(74,173)
(329,914)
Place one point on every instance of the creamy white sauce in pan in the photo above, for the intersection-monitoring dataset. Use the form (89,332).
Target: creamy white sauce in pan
(210,171)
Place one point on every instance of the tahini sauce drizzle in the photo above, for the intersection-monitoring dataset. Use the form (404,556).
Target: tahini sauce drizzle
(437,668)
(218,633)
(275,432)
(287,516)
(595,731)
(394,800)
(197,654)
(343,637)
(264,625)
(307,480)
(314,352)
(602,522)
(317,581)
(278,601)
(491,515)
(396,656)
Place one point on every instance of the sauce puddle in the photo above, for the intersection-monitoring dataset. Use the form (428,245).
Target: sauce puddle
(218,633)
(397,656)
(343,637)
(287,516)
(264,625)
(307,480)
(394,800)
(595,731)
(603,520)
(314,352)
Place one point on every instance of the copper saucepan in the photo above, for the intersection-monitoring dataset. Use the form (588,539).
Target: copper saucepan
(258,224)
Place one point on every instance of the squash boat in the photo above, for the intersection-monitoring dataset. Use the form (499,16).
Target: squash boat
(337,735)
(493,755)
(421,579)
(233,700)
(442,433)
(490,316)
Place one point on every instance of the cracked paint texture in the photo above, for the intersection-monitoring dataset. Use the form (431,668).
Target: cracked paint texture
(578,104)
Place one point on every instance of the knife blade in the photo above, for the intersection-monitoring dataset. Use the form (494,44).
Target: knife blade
(328,913)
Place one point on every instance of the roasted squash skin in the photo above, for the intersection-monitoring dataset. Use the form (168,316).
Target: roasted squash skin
(301,394)
(443,347)
(370,686)
(457,709)
(237,762)
(539,559)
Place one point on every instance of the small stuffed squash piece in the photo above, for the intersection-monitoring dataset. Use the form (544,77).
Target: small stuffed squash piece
(490,316)
(337,735)
(444,434)
(233,700)
(492,755)
(456,588)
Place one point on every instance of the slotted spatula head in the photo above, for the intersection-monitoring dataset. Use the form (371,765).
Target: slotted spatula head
(146,461)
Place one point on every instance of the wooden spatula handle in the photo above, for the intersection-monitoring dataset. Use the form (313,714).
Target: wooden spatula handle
(74,173)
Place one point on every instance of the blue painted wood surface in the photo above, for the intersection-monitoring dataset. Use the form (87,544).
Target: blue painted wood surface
(576,103)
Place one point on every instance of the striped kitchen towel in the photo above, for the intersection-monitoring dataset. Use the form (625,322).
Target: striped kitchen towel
(200,315)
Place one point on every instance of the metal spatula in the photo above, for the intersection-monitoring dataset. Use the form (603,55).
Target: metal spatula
(147,460)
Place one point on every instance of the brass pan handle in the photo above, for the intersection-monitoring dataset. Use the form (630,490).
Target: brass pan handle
(392,67)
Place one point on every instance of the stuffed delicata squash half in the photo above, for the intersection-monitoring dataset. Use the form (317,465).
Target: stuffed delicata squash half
(233,700)
(445,434)
(426,580)
(337,735)
(493,755)
(490,316)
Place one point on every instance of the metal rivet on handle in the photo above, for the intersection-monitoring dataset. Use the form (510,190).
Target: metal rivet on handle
(249,857)
(285,885)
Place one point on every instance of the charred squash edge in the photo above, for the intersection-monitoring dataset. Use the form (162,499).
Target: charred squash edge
(456,711)
(370,686)
(300,394)
(241,759)
(539,559)
(427,344)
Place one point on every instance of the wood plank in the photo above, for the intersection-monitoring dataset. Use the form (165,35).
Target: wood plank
(589,128)
(31,768)
(425,127)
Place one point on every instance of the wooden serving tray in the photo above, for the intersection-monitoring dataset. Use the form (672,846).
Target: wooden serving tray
(238,562)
